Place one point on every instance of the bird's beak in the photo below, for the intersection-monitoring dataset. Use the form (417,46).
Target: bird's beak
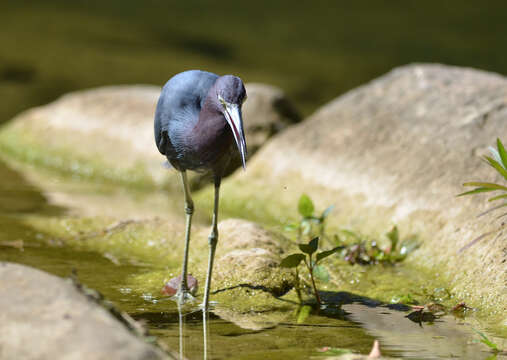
(233,117)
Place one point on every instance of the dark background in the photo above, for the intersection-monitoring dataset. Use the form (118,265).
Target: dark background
(313,50)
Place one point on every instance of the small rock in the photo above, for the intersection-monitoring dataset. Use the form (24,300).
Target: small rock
(171,287)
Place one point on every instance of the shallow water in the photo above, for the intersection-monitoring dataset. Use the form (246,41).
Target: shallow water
(228,334)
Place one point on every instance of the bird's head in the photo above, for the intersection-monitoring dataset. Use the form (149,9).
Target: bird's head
(231,95)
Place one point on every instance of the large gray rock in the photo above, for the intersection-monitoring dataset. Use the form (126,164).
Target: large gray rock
(267,112)
(398,150)
(45,317)
(108,132)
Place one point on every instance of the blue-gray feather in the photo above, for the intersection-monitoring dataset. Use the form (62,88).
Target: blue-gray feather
(178,109)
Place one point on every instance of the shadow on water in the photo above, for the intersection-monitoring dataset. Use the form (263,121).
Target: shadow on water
(18,196)
(355,326)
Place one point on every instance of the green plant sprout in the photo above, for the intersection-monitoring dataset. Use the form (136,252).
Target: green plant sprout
(306,256)
(498,161)
(486,341)
(310,225)
(365,252)
(361,251)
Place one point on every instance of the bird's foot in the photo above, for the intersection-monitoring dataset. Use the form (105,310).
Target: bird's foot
(183,297)
(181,293)
(210,305)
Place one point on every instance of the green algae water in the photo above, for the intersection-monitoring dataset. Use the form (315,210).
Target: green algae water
(275,333)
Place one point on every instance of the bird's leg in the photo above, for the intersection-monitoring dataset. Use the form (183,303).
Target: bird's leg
(212,241)
(183,293)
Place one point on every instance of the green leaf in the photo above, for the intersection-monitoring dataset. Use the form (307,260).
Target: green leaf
(495,154)
(321,273)
(305,206)
(497,166)
(311,247)
(486,185)
(327,212)
(394,237)
(475,191)
(304,312)
(497,197)
(325,254)
(502,152)
(486,341)
(292,261)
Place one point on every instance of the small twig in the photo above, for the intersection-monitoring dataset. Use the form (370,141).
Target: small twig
(476,240)
(492,209)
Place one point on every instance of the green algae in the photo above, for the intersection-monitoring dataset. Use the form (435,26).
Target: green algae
(143,243)
(23,146)
(130,240)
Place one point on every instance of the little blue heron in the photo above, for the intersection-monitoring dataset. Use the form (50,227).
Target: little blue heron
(197,120)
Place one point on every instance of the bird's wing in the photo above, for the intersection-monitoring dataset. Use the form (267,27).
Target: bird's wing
(178,108)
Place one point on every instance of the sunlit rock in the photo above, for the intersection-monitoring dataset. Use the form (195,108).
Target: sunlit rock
(46,317)
(397,150)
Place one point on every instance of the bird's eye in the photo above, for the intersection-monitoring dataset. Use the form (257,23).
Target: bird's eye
(221,99)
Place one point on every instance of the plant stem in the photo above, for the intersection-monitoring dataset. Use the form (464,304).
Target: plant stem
(310,270)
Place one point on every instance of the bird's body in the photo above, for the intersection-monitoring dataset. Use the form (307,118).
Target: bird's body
(176,122)
(190,129)
(197,120)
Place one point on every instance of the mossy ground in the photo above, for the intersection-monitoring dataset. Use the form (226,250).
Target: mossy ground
(23,145)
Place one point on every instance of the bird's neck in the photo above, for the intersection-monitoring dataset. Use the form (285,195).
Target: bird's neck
(211,130)
(211,117)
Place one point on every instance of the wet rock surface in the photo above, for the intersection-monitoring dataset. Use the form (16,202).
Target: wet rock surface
(46,317)
(246,259)
(397,150)
(249,256)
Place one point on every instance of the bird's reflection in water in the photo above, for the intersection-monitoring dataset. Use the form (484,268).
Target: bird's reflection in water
(182,331)
(205,330)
